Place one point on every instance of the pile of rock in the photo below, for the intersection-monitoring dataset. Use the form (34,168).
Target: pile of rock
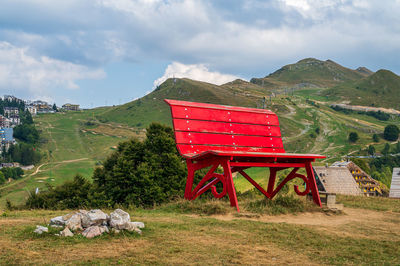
(92,223)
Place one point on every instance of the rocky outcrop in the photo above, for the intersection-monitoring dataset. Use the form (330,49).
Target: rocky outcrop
(92,223)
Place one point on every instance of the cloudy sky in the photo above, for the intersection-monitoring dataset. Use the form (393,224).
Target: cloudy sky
(105,52)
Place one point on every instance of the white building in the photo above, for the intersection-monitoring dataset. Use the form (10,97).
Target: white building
(32,109)
(11,111)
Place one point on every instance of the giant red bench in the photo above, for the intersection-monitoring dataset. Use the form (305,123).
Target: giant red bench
(235,138)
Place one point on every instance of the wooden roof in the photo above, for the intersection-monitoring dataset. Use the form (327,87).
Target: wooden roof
(337,180)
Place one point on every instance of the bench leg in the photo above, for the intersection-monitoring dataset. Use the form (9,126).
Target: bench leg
(271,181)
(189,180)
(230,185)
(313,184)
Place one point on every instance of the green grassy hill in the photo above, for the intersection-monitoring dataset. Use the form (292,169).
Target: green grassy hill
(311,72)
(152,107)
(381,89)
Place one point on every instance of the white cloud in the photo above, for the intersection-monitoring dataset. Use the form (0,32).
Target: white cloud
(39,75)
(196,72)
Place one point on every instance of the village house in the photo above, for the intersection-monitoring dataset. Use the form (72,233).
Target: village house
(42,107)
(32,109)
(11,111)
(14,120)
(4,122)
(70,107)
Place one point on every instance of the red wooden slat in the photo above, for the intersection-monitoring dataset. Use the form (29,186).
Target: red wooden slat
(222,127)
(229,140)
(173,103)
(197,149)
(198,113)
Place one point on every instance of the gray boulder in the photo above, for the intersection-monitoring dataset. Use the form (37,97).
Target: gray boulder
(139,224)
(41,229)
(74,222)
(93,217)
(57,221)
(66,232)
(119,219)
(131,227)
(92,231)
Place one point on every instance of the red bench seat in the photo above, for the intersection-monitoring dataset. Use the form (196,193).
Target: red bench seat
(235,138)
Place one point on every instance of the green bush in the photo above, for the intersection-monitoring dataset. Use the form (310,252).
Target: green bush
(142,173)
(353,136)
(11,172)
(391,133)
(70,195)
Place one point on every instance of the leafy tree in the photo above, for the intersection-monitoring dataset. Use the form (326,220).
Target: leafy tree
(371,150)
(386,149)
(353,137)
(12,172)
(375,138)
(27,133)
(26,118)
(397,149)
(55,107)
(2,178)
(142,173)
(391,133)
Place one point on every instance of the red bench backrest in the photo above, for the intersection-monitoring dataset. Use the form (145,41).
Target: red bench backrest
(202,127)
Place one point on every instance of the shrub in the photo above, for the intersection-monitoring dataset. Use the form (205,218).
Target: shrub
(142,173)
(371,150)
(70,195)
(353,137)
(375,138)
(391,133)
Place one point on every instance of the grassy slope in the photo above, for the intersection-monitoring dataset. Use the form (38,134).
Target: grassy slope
(151,107)
(70,147)
(381,89)
(310,71)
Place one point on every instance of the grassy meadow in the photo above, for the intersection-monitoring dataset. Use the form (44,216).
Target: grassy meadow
(209,232)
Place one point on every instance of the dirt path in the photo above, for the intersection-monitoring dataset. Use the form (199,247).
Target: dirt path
(350,215)
(60,162)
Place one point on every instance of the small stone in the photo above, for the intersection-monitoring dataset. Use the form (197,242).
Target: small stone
(115,231)
(74,222)
(56,226)
(119,219)
(92,231)
(41,229)
(139,224)
(131,227)
(66,232)
(104,229)
(57,221)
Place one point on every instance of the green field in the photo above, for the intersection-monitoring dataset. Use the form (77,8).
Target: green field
(359,236)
